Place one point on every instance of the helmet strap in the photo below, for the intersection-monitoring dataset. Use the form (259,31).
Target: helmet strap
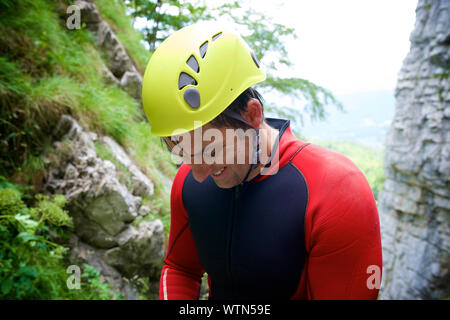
(256,149)
(256,157)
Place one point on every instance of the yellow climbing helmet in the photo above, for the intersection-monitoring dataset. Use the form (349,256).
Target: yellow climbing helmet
(194,75)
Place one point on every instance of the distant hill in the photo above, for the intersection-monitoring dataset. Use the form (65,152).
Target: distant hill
(366,120)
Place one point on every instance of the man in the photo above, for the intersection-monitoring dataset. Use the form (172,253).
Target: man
(291,221)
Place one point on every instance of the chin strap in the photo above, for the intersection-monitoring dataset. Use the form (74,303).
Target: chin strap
(256,157)
(256,148)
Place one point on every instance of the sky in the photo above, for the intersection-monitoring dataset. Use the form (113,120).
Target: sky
(355,49)
(346,46)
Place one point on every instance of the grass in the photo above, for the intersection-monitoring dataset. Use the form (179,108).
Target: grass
(47,70)
(113,11)
(69,80)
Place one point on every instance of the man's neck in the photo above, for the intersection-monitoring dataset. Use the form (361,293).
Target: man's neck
(267,139)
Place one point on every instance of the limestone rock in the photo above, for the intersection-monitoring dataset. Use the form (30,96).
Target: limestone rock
(131,81)
(83,253)
(140,249)
(119,63)
(414,205)
(141,184)
(144,210)
(100,203)
(103,209)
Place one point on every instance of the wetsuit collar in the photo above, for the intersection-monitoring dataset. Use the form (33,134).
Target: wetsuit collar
(282,125)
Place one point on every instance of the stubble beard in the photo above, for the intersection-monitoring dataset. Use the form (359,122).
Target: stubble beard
(235,179)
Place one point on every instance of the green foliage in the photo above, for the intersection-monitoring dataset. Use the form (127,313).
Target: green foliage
(10,201)
(29,260)
(314,96)
(11,80)
(33,47)
(369,160)
(165,16)
(32,264)
(47,70)
(266,37)
(147,289)
(69,82)
(204,291)
(99,290)
(52,211)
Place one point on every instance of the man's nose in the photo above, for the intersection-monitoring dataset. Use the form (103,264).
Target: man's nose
(201,171)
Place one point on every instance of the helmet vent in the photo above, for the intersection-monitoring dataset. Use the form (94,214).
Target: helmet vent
(192,97)
(192,62)
(217,35)
(185,80)
(203,49)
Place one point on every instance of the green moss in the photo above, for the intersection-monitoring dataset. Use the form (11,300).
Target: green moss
(10,202)
(47,70)
(71,82)
(32,264)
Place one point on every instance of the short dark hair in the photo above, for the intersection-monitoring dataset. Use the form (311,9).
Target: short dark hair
(223,119)
(239,105)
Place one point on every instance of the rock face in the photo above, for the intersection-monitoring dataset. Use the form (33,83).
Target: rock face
(141,185)
(103,209)
(121,69)
(415,203)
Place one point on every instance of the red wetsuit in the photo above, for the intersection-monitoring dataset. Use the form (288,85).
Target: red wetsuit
(311,231)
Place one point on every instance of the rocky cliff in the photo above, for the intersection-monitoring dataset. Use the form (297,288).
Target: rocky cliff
(104,209)
(415,203)
(112,229)
(120,68)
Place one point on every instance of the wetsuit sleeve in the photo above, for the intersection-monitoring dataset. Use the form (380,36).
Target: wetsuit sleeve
(342,232)
(181,274)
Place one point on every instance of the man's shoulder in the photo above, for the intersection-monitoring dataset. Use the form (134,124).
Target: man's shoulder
(326,165)
(182,172)
(180,177)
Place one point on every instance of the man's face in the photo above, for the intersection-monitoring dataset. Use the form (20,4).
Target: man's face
(224,154)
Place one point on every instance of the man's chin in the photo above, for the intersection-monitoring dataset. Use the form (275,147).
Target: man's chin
(224,184)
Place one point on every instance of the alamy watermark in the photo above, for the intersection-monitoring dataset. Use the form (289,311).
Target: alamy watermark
(74,20)
(227,146)
(74,280)
(374,280)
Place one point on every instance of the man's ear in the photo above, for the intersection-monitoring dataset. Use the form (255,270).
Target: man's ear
(253,113)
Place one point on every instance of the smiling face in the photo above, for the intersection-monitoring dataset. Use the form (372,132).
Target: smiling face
(222,153)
